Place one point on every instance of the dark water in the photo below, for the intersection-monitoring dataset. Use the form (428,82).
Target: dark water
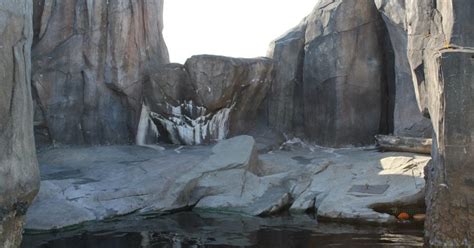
(190,229)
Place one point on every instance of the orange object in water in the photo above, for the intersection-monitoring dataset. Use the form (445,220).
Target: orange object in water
(403,216)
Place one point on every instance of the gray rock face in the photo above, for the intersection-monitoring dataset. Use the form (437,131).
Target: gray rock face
(82,184)
(285,102)
(89,62)
(19,176)
(440,40)
(445,75)
(450,176)
(333,87)
(330,75)
(207,99)
(343,73)
(408,121)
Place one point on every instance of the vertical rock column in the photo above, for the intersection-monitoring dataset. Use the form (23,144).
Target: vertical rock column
(450,197)
(90,58)
(19,177)
(441,56)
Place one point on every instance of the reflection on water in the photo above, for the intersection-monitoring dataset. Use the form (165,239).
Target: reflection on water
(191,229)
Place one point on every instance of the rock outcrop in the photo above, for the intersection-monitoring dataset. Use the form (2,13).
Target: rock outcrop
(90,59)
(333,76)
(207,99)
(19,176)
(440,55)
(82,184)
(330,75)
(408,121)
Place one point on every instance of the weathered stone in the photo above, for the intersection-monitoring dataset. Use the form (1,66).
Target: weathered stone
(19,176)
(343,73)
(408,120)
(89,61)
(440,37)
(207,99)
(94,183)
(285,102)
(330,82)
(449,193)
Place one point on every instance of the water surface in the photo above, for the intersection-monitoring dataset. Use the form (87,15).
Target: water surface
(207,229)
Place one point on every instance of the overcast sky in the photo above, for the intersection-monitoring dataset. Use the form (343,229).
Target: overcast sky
(238,28)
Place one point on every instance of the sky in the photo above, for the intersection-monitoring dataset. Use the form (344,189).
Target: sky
(236,28)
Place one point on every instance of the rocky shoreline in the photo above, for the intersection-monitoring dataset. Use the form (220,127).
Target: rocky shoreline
(97,183)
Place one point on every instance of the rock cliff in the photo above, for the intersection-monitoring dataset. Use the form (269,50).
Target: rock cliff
(90,59)
(439,45)
(350,70)
(19,176)
(330,75)
(335,81)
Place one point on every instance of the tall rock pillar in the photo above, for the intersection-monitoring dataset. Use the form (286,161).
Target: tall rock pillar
(19,176)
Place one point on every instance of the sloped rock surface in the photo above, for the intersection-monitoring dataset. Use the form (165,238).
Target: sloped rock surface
(83,184)
(89,62)
(19,176)
(207,99)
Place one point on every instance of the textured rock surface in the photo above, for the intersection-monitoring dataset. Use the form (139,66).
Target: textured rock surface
(450,177)
(19,177)
(207,99)
(440,40)
(81,184)
(327,80)
(285,102)
(408,121)
(343,73)
(330,75)
(89,61)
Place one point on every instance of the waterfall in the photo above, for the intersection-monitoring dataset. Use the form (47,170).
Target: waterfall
(189,124)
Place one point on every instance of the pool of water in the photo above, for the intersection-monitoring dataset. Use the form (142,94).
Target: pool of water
(208,229)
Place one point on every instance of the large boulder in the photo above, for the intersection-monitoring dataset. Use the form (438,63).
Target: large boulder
(207,99)
(19,177)
(330,75)
(343,77)
(89,62)
(338,88)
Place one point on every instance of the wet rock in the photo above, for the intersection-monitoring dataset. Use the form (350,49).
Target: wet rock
(207,99)
(90,59)
(19,176)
